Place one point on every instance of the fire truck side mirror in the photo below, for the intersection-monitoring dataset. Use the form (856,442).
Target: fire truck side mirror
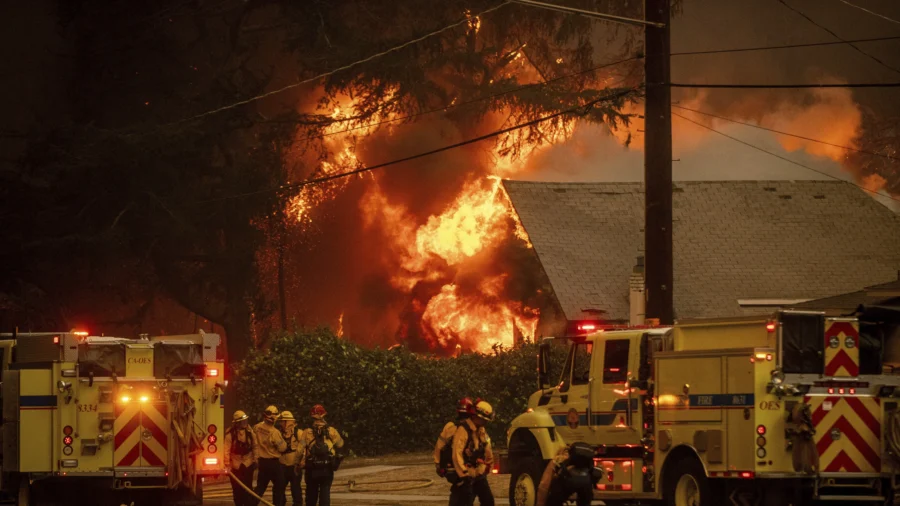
(543,371)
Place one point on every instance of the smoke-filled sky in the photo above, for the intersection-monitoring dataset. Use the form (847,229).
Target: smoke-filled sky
(364,239)
(830,115)
(370,251)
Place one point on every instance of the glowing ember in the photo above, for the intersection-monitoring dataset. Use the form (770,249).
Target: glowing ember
(340,327)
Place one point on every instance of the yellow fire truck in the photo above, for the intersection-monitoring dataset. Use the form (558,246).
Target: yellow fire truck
(106,420)
(741,411)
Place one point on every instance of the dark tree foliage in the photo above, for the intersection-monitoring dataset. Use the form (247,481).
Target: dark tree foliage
(130,196)
(385,401)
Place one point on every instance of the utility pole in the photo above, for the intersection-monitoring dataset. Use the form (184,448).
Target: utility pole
(658,165)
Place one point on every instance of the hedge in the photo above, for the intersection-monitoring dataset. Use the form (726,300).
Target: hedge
(384,401)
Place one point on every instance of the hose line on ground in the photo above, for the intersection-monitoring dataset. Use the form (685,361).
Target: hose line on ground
(353,485)
(245,487)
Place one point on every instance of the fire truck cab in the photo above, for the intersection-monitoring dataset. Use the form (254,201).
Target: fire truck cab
(776,411)
(107,420)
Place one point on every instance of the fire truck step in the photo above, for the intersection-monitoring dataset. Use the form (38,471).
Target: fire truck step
(852,498)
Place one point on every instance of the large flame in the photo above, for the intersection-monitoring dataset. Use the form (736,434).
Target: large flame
(478,221)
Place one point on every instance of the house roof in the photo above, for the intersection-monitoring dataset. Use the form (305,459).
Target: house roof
(732,240)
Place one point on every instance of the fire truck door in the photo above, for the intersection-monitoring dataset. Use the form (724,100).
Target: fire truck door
(569,409)
(140,434)
(610,396)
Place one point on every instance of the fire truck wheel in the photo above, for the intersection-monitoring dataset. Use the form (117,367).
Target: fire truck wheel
(686,484)
(524,481)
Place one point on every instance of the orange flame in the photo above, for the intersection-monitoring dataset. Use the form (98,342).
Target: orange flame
(478,220)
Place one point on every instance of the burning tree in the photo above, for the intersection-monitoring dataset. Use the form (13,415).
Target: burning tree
(178,159)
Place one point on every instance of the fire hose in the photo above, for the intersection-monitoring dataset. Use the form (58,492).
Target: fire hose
(352,484)
(182,465)
(804,454)
(892,434)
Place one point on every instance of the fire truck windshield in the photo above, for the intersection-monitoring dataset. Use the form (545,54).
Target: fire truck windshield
(101,359)
(178,360)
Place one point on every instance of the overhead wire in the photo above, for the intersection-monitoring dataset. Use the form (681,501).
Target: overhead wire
(882,16)
(324,179)
(468,102)
(786,159)
(785,46)
(369,58)
(836,36)
(780,132)
(894,84)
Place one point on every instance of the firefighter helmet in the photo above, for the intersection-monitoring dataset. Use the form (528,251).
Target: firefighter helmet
(465,406)
(484,411)
(287,415)
(239,416)
(318,411)
(271,413)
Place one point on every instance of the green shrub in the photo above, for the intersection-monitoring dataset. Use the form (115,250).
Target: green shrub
(383,400)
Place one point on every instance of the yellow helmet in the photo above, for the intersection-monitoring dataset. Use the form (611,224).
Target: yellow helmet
(484,411)
(287,415)
(239,416)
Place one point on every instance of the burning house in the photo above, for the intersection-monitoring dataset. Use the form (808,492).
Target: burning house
(740,247)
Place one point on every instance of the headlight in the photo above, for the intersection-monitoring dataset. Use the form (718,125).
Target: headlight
(849,342)
(834,342)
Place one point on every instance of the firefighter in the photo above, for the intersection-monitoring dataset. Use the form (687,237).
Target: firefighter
(319,458)
(443,449)
(473,458)
(570,472)
(240,457)
(270,445)
(290,459)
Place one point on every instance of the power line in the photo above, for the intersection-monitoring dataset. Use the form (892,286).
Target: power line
(324,179)
(590,14)
(345,67)
(882,16)
(469,102)
(786,46)
(786,86)
(848,148)
(786,159)
(838,37)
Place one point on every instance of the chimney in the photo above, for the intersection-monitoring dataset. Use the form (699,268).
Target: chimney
(637,294)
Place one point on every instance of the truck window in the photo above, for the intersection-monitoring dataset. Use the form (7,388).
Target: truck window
(565,379)
(581,365)
(178,360)
(803,343)
(615,361)
(101,360)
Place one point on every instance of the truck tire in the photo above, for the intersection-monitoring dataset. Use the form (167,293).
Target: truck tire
(524,481)
(686,484)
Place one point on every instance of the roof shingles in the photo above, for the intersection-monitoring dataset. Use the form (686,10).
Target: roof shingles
(732,240)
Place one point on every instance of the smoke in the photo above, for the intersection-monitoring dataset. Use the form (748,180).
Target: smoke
(427,253)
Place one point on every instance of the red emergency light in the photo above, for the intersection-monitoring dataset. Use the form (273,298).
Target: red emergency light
(212,372)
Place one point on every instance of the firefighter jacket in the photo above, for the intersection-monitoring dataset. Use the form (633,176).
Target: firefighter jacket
(308,437)
(472,458)
(269,441)
(443,440)
(291,455)
(240,448)
(550,473)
